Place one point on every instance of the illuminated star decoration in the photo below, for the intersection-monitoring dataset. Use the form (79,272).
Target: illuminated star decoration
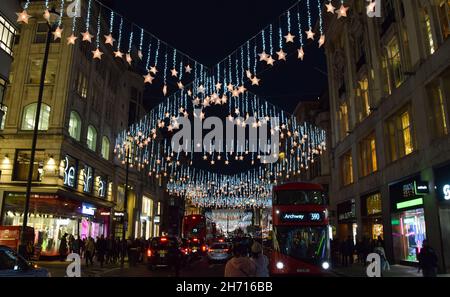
(87,36)
(248,73)
(109,39)
(371,6)
(330,7)
(255,81)
(289,37)
(201,89)
(301,53)
(47,15)
(270,61)
(230,87)
(310,34)
(218,86)
(342,11)
(129,59)
(153,70)
(174,72)
(71,39)
(188,69)
(263,56)
(97,54)
(118,54)
(57,33)
(165,90)
(180,85)
(321,40)
(148,79)
(281,55)
(23,17)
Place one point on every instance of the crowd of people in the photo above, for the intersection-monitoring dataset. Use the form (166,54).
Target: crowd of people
(244,264)
(108,250)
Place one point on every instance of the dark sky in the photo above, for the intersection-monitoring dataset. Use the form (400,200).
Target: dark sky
(208,31)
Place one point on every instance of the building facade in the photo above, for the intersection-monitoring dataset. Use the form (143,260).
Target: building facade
(78,184)
(389,82)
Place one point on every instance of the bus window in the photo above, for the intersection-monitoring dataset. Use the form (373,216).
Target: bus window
(299,197)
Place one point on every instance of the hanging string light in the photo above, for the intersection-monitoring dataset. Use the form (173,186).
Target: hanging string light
(301,53)
(322,35)
(118,53)
(97,53)
(86,35)
(23,17)
(72,38)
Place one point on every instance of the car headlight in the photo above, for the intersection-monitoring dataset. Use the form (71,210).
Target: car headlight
(280,265)
(325,265)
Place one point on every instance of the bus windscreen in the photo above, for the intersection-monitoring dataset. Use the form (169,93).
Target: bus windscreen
(299,197)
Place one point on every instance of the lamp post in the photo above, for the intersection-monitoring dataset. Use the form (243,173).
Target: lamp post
(125,201)
(51,26)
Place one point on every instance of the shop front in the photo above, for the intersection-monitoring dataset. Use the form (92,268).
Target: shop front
(408,218)
(372,220)
(52,216)
(146,217)
(347,225)
(442,183)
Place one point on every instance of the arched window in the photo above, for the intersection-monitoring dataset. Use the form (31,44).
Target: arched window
(29,116)
(75,125)
(4,109)
(105,148)
(91,138)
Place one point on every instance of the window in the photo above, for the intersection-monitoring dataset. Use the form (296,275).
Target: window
(34,75)
(7,32)
(438,115)
(444,17)
(91,138)
(362,99)
(347,168)
(3,119)
(22,165)
(29,117)
(105,148)
(400,134)
(343,120)
(75,125)
(395,63)
(41,34)
(82,85)
(428,32)
(368,155)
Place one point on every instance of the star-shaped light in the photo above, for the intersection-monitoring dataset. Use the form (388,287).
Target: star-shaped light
(248,73)
(129,59)
(242,89)
(310,34)
(174,72)
(189,93)
(371,7)
(140,54)
(270,61)
(205,103)
(148,79)
(57,33)
(180,85)
(188,69)
(281,55)
(289,37)
(165,90)
(87,36)
(47,15)
(330,7)
(301,53)
(230,87)
(235,93)
(255,81)
(97,54)
(153,70)
(118,54)
(196,101)
(321,40)
(109,39)
(218,86)
(23,17)
(201,89)
(263,56)
(230,118)
(224,99)
(71,39)
(342,11)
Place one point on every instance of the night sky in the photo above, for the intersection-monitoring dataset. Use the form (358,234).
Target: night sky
(209,31)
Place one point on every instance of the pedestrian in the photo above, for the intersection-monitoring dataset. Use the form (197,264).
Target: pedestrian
(89,251)
(101,250)
(71,242)
(75,246)
(63,247)
(175,257)
(349,250)
(380,251)
(428,260)
(109,249)
(240,265)
(260,260)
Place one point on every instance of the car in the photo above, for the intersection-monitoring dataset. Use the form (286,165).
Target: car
(14,265)
(197,247)
(162,252)
(219,252)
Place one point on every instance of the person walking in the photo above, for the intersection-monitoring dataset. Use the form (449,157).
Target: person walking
(428,260)
(260,260)
(101,250)
(63,247)
(379,249)
(349,250)
(89,251)
(240,265)
(76,246)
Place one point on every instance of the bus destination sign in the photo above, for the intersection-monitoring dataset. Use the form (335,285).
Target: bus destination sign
(299,217)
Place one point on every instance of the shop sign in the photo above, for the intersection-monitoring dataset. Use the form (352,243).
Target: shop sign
(87,209)
(70,172)
(88,174)
(415,188)
(102,186)
(422,188)
(408,194)
(446,192)
(346,211)
(106,214)
(442,179)
(119,214)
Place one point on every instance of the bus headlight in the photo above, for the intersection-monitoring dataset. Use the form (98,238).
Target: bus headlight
(325,265)
(280,265)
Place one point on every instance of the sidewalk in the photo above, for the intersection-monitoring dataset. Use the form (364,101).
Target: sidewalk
(58,268)
(358,270)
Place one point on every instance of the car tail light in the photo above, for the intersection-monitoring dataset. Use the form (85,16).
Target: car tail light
(226,250)
(204,248)
(211,250)
(149,253)
(163,239)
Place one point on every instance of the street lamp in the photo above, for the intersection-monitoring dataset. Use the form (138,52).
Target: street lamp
(52,24)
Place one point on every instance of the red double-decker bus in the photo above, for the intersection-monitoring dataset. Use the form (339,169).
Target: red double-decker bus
(300,230)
